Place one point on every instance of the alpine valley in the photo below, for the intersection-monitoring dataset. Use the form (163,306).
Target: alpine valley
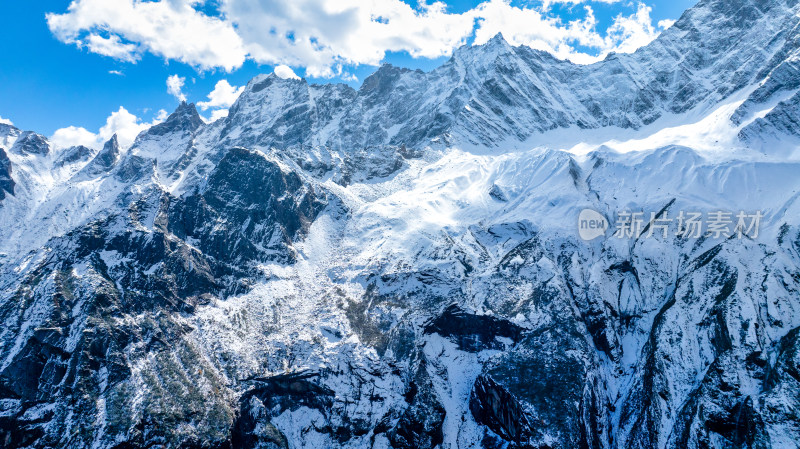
(399,266)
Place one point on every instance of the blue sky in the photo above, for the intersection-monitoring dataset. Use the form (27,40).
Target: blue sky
(76,69)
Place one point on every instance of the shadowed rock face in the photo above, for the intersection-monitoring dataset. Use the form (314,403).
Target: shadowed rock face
(6,181)
(270,397)
(496,408)
(125,287)
(420,425)
(32,144)
(103,163)
(473,333)
(74,154)
(185,119)
(249,210)
(781,123)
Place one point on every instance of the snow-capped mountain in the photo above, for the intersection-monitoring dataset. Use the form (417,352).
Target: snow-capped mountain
(401,266)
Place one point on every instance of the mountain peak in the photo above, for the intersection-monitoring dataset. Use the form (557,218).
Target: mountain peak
(270,81)
(5,129)
(112,144)
(8,134)
(184,119)
(383,78)
(110,153)
(31,143)
(485,53)
(498,39)
(104,161)
(497,44)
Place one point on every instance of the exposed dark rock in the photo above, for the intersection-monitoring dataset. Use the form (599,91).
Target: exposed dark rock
(497,193)
(105,160)
(148,277)
(31,143)
(185,119)
(550,373)
(420,425)
(250,210)
(494,407)
(781,123)
(74,154)
(6,181)
(291,391)
(133,168)
(473,333)
(270,397)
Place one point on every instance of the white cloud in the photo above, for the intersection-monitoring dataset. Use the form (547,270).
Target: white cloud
(220,100)
(218,114)
(223,96)
(627,34)
(111,46)
(121,122)
(523,26)
(285,72)
(319,34)
(528,27)
(116,72)
(175,86)
(347,76)
(125,125)
(160,117)
(73,136)
(546,4)
(666,23)
(6,121)
(172,29)
(323,35)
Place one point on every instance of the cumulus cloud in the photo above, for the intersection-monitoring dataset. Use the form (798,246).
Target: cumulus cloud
(319,34)
(121,122)
(172,29)
(125,125)
(546,4)
(220,99)
(528,27)
(217,114)
(322,36)
(523,26)
(627,34)
(72,136)
(111,46)
(223,96)
(175,86)
(286,72)
(666,23)
(6,121)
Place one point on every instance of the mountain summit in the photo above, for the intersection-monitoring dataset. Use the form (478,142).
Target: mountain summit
(496,95)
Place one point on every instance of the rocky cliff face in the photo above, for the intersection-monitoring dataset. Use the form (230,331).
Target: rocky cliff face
(400,266)
(6,181)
